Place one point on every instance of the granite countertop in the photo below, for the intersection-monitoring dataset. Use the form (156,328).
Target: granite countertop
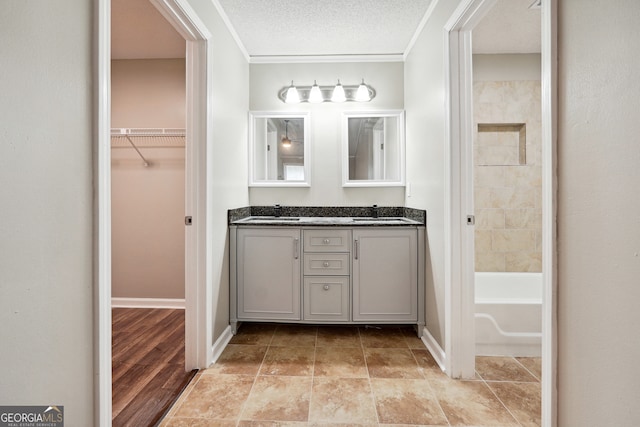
(292,216)
(326,221)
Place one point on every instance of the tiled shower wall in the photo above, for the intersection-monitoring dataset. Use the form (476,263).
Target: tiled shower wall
(508,176)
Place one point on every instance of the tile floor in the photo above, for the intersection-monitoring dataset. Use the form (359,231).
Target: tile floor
(294,375)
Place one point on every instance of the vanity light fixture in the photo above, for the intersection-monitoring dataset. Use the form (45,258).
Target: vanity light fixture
(338,93)
(317,94)
(292,96)
(362,94)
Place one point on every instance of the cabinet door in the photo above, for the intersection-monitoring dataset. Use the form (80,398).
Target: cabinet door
(326,298)
(268,274)
(385,275)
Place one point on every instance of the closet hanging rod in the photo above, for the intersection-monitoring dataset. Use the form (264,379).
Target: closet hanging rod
(146,163)
(148,131)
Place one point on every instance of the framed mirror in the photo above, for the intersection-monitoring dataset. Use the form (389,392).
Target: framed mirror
(279,149)
(373,149)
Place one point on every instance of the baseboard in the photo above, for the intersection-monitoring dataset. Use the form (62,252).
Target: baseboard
(434,348)
(220,344)
(147,303)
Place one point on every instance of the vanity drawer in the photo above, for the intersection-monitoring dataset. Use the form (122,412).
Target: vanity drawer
(326,264)
(327,240)
(326,298)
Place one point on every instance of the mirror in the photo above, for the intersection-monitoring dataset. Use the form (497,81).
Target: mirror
(279,149)
(373,149)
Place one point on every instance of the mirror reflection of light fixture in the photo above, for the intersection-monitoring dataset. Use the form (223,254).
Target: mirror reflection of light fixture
(286,142)
(317,94)
(292,95)
(338,93)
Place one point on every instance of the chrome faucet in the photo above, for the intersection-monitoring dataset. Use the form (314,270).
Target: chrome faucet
(277,210)
(374,211)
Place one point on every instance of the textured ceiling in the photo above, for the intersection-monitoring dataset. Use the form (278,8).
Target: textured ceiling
(319,27)
(327,27)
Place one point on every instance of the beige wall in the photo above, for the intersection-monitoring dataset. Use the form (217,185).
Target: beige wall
(148,93)
(598,219)
(326,128)
(147,222)
(507,167)
(46,214)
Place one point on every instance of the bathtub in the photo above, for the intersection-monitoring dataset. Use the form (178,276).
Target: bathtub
(508,317)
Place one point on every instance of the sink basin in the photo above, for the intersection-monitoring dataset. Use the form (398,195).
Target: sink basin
(273,218)
(381,219)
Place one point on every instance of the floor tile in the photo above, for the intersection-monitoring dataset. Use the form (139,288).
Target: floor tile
(392,363)
(533,365)
(238,359)
(196,422)
(340,362)
(412,338)
(278,398)
(382,337)
(338,336)
(470,403)
(502,369)
(334,376)
(204,399)
(290,361)
(522,399)
(248,423)
(295,335)
(406,402)
(427,363)
(342,400)
(254,334)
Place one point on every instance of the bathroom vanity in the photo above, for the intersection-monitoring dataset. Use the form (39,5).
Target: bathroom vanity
(348,266)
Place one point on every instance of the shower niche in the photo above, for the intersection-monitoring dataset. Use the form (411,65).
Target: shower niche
(501,144)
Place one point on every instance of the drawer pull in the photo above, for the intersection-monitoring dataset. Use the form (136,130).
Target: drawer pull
(326,241)
(325,287)
(325,264)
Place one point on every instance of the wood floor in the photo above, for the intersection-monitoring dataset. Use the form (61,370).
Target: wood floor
(147,364)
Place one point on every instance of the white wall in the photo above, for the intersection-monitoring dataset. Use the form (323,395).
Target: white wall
(46,252)
(598,220)
(226,154)
(326,128)
(147,203)
(424,104)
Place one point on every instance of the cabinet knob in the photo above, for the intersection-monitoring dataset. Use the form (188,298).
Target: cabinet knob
(325,287)
(326,241)
(325,264)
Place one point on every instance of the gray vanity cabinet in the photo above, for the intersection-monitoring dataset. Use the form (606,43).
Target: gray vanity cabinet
(326,274)
(268,273)
(385,275)
(339,275)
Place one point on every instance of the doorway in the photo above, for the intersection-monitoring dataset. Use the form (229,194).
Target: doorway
(148,94)
(197,329)
(461,311)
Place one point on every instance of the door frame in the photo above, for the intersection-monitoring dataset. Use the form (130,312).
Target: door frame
(459,239)
(198,325)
